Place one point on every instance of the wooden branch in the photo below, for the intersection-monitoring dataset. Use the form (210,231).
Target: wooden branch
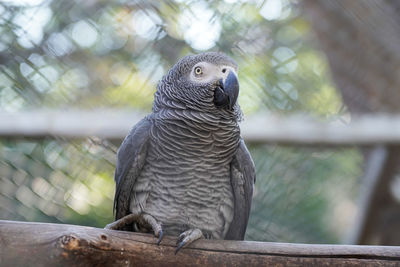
(43,244)
(261,128)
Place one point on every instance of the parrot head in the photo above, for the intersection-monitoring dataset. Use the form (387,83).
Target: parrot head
(220,75)
(206,81)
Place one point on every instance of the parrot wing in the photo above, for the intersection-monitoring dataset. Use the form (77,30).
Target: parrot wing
(243,177)
(130,160)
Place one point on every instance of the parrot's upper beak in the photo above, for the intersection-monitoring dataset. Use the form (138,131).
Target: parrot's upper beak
(227,92)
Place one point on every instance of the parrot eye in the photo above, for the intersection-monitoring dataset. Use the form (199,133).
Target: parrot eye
(198,71)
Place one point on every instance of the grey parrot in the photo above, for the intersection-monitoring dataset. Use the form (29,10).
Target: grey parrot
(184,170)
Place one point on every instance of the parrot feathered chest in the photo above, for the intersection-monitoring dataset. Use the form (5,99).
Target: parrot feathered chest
(187,169)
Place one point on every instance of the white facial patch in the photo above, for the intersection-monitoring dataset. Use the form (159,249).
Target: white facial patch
(205,72)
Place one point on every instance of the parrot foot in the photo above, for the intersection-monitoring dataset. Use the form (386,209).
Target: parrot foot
(187,238)
(120,224)
(147,219)
(142,219)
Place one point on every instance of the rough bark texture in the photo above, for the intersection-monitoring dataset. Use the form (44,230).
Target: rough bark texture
(362,42)
(42,244)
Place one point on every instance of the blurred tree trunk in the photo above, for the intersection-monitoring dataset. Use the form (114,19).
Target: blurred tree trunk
(361,40)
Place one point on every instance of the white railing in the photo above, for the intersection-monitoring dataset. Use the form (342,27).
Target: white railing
(260,128)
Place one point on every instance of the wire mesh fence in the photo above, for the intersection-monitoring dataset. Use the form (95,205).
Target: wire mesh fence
(95,54)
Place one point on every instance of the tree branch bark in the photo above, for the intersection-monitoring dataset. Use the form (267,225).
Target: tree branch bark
(44,244)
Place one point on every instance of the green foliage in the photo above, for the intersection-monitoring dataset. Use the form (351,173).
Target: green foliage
(298,191)
(55,181)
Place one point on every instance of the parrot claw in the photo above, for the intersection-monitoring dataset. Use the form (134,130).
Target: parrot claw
(180,238)
(154,225)
(160,237)
(146,220)
(109,226)
(180,245)
(119,224)
(187,238)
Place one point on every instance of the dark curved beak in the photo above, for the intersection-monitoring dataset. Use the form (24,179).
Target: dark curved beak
(227,92)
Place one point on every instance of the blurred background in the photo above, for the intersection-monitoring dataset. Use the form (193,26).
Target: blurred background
(331,60)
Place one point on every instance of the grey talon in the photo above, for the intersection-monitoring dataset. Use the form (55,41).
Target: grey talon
(180,238)
(160,237)
(181,244)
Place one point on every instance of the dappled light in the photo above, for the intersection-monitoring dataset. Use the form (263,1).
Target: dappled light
(63,55)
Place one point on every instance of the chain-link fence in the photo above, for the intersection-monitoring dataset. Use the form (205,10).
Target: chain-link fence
(97,54)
